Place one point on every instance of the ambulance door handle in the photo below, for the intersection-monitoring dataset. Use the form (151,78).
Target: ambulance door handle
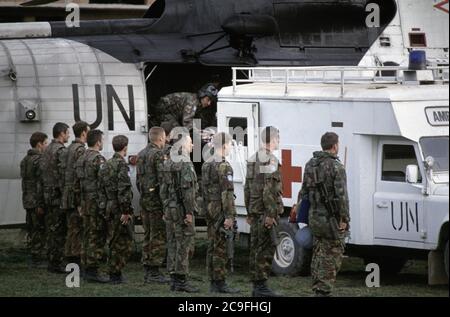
(383,205)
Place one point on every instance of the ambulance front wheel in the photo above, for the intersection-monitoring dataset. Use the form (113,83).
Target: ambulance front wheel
(290,258)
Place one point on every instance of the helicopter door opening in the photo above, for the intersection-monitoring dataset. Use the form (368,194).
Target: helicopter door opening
(164,79)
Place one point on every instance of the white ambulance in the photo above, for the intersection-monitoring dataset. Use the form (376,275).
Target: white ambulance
(394,134)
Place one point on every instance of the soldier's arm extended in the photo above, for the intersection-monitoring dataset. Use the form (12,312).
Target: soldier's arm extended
(189,111)
(340,187)
(124,189)
(272,197)
(227,190)
(188,188)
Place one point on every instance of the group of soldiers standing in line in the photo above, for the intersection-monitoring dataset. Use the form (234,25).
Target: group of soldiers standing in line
(78,204)
(76,201)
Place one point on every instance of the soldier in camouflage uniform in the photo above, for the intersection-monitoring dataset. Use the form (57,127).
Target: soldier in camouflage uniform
(74,220)
(178,192)
(90,195)
(33,196)
(115,179)
(263,200)
(149,169)
(207,113)
(179,109)
(327,250)
(218,196)
(53,178)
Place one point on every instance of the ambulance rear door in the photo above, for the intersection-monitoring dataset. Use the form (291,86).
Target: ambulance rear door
(241,120)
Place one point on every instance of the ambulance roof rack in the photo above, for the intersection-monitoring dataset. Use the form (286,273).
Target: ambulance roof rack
(339,75)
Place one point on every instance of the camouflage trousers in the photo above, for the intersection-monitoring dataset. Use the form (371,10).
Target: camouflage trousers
(262,250)
(216,256)
(36,234)
(56,235)
(74,233)
(154,244)
(180,242)
(94,241)
(326,263)
(120,245)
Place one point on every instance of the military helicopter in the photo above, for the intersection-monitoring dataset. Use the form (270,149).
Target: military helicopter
(110,72)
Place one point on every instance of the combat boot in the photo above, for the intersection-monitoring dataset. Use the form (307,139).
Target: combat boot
(117,278)
(92,275)
(181,285)
(153,275)
(319,293)
(223,288)
(260,289)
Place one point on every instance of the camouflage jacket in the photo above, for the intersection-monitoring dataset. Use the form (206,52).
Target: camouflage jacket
(69,158)
(87,186)
(218,188)
(149,168)
(53,173)
(178,108)
(115,179)
(263,186)
(332,173)
(32,186)
(179,187)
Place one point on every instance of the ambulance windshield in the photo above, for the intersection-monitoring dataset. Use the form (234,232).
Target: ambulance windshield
(437,147)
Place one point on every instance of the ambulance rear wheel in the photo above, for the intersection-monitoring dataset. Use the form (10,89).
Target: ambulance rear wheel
(446,258)
(290,258)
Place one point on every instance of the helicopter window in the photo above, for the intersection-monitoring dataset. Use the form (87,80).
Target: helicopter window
(418,39)
(237,129)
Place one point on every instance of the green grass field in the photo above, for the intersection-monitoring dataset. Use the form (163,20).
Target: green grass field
(16,279)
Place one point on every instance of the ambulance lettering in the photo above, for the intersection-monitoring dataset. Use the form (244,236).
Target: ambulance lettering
(406,217)
(437,116)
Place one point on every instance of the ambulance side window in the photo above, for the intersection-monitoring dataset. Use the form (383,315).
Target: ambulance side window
(237,129)
(396,157)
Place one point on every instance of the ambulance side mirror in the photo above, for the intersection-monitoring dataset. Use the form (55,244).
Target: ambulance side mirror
(429,163)
(412,174)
